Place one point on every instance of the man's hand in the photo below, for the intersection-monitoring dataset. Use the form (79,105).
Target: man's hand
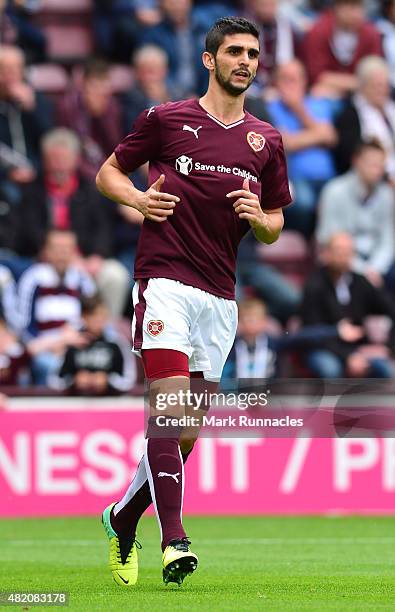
(22,175)
(357,365)
(374,277)
(267,226)
(247,206)
(349,332)
(23,94)
(155,205)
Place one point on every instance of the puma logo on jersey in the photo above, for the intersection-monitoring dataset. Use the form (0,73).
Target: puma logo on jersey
(151,110)
(161,474)
(187,128)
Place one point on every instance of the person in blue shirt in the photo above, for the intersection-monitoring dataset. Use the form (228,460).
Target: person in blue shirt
(305,123)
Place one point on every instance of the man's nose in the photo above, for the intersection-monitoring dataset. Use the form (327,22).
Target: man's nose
(244,60)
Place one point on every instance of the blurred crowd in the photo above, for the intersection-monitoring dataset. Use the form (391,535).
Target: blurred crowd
(326,80)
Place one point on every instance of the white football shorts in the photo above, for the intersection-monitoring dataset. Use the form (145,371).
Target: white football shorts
(171,315)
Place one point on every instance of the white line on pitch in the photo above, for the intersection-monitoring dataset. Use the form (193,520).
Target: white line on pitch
(228,542)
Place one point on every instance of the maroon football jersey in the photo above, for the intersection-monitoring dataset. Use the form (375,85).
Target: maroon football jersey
(202,160)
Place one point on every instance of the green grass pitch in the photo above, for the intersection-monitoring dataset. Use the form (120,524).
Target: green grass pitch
(246,563)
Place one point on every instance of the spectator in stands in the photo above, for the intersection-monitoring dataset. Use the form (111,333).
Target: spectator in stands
(257,351)
(49,301)
(104,365)
(335,293)
(8,299)
(362,204)
(14,358)
(93,112)
(147,12)
(24,117)
(370,113)
(151,86)
(336,43)
(386,26)
(181,36)
(118,26)
(253,354)
(8,32)
(64,200)
(280,295)
(305,123)
(277,40)
(20,30)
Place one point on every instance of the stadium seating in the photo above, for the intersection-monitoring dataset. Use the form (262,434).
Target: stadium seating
(51,79)
(68,28)
(68,43)
(56,7)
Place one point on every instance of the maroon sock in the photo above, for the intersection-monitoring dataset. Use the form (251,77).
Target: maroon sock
(126,520)
(165,471)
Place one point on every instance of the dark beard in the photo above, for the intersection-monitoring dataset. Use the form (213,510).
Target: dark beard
(227,85)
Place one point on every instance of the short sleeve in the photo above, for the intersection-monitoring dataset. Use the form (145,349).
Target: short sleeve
(142,144)
(274,181)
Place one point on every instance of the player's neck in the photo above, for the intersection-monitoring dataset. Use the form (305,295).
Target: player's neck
(227,109)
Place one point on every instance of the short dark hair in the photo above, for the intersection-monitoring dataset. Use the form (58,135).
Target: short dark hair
(364,145)
(386,6)
(95,67)
(89,304)
(228,25)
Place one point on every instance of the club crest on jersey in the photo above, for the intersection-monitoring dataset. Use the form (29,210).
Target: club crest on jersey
(256,141)
(184,164)
(154,328)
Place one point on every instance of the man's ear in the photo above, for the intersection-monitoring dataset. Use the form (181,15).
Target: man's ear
(208,60)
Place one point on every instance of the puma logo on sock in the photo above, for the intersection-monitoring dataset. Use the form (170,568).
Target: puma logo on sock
(161,474)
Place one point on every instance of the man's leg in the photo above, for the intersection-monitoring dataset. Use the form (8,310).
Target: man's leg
(126,514)
(379,367)
(167,372)
(324,364)
(163,460)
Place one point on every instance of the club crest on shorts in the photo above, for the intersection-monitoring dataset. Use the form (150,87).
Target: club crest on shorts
(154,328)
(256,141)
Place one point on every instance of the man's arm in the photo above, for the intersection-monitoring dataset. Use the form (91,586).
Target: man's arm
(115,184)
(335,83)
(268,226)
(320,134)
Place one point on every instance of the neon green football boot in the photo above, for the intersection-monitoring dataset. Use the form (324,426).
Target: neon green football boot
(178,561)
(123,560)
